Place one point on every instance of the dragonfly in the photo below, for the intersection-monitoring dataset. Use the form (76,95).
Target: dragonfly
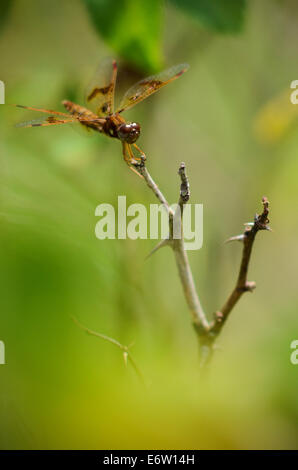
(100,115)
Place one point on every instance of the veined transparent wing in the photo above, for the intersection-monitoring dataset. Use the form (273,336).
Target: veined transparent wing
(150,85)
(100,92)
(42,110)
(49,121)
(54,120)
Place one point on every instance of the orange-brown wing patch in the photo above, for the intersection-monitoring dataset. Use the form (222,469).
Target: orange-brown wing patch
(100,93)
(149,85)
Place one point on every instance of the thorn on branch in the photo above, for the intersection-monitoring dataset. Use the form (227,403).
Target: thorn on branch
(249,224)
(238,238)
(248,287)
(161,244)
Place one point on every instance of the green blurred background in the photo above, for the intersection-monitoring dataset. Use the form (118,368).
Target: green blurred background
(230,119)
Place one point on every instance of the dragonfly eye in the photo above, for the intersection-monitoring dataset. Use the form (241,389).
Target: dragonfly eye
(129,132)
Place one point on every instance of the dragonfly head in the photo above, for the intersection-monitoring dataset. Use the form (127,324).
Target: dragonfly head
(129,132)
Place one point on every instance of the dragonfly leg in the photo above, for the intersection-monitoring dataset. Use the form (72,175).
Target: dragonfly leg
(143,156)
(130,159)
(128,155)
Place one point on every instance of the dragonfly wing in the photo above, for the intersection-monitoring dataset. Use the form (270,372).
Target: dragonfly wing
(149,85)
(100,93)
(49,121)
(42,110)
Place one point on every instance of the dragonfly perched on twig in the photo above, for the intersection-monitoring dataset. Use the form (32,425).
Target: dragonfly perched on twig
(100,115)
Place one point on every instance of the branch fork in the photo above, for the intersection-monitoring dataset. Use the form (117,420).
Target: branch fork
(207,331)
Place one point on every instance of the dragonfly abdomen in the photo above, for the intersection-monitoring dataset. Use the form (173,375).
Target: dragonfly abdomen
(91,120)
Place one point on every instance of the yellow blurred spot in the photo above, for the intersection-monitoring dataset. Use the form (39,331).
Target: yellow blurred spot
(275,118)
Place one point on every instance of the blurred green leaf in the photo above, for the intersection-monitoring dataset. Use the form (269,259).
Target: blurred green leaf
(225,16)
(131,28)
(5,8)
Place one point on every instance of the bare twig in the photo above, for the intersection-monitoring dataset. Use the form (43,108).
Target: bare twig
(242,285)
(199,319)
(127,357)
(141,168)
